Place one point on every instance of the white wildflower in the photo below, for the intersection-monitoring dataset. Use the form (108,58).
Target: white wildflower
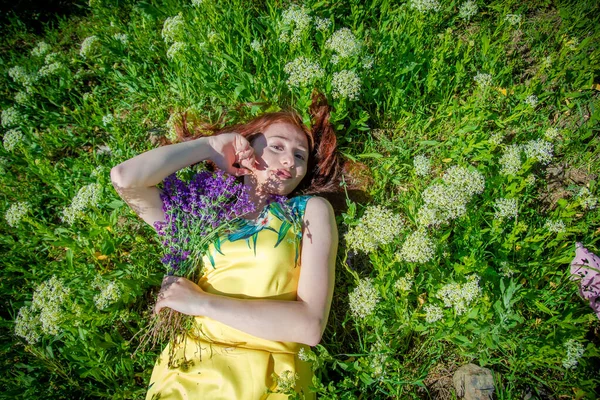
(40,49)
(433,313)
(468,10)
(104,149)
(176,50)
(496,138)
(510,161)
(551,134)
(22,98)
(335,59)
(346,84)
(471,182)
(540,150)
(108,119)
(422,165)
(441,204)
(460,296)
(506,270)
(28,325)
(286,381)
(88,196)
(586,199)
(174,29)
(575,351)
(367,62)
(555,226)
(363,299)
(109,294)
(378,360)
(344,43)
(51,69)
(425,5)
(21,76)
(377,226)
(513,19)
(52,58)
(16,212)
(302,71)
(322,24)
(12,138)
(302,355)
(483,80)
(256,46)
(197,3)
(404,283)
(11,117)
(297,20)
(417,247)
(506,208)
(532,101)
(530,180)
(88,46)
(121,37)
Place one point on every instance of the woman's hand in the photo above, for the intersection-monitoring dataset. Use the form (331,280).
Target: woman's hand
(230,148)
(181,295)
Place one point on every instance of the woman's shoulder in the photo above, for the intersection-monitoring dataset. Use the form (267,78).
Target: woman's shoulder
(300,202)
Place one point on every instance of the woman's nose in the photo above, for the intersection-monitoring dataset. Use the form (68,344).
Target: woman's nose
(288,159)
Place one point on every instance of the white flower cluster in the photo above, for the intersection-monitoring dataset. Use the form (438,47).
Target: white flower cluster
(586,199)
(510,161)
(530,180)
(12,138)
(379,359)
(483,80)
(88,46)
(88,196)
(547,62)
(346,84)
(322,24)
(104,149)
(433,313)
(551,134)
(110,292)
(45,314)
(532,101)
(302,72)
(496,138)
(448,200)
(11,117)
(540,150)
(468,10)
(256,45)
(344,43)
(506,270)
(363,299)
(377,226)
(506,208)
(425,5)
(108,119)
(422,165)
(303,355)
(460,296)
(21,76)
(51,69)
(297,17)
(513,19)
(417,247)
(575,351)
(173,29)
(404,283)
(367,61)
(22,98)
(176,50)
(40,49)
(555,226)
(16,212)
(197,3)
(121,37)
(286,382)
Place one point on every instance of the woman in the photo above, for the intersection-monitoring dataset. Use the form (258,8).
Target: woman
(258,308)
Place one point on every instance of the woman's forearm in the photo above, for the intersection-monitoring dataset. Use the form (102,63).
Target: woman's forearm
(278,320)
(152,167)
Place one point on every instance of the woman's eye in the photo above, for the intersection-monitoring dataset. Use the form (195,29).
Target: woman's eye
(301,156)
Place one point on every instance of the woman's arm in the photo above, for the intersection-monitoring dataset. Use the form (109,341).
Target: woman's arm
(301,321)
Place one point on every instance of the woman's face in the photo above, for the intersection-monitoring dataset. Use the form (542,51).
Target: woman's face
(281,153)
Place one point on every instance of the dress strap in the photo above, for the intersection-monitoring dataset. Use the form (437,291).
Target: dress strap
(298,203)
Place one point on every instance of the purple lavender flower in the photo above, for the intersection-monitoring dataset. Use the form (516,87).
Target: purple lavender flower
(195,212)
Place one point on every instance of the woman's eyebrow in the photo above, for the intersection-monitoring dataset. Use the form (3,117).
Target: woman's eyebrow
(286,139)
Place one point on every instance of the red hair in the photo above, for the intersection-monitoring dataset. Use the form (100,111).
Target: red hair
(324,168)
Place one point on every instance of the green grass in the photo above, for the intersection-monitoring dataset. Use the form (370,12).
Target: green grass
(418,98)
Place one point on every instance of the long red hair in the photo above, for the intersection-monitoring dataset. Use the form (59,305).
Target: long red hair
(324,170)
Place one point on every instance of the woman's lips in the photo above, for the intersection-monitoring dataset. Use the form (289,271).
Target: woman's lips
(283,174)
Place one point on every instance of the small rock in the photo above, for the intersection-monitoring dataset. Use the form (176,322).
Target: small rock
(473,382)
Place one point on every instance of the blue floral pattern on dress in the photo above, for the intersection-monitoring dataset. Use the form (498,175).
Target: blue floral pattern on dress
(290,214)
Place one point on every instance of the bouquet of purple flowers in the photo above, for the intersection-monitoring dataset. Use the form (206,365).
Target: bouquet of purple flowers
(197,213)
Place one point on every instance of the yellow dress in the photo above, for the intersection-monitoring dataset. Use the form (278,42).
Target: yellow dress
(261,260)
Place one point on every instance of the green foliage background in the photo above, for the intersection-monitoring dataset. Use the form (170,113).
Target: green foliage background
(419,97)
